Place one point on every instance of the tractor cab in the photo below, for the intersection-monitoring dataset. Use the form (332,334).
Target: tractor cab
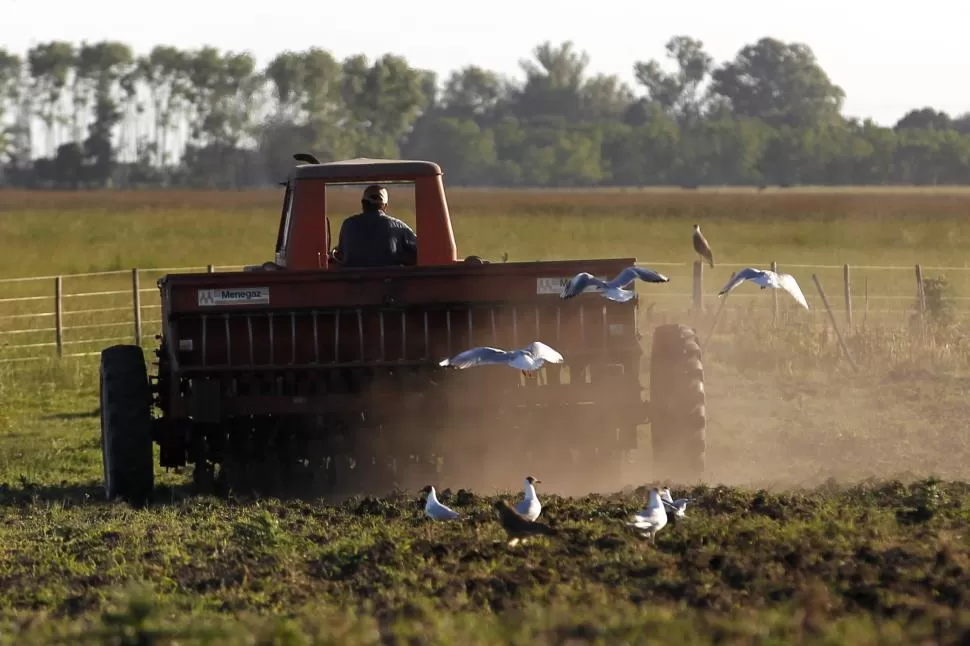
(305,239)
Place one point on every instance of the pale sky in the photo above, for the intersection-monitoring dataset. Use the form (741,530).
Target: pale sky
(888,60)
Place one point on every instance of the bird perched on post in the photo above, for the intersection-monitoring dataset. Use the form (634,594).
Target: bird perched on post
(517,526)
(701,246)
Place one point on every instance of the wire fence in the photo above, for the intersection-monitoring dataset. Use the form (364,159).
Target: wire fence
(76,315)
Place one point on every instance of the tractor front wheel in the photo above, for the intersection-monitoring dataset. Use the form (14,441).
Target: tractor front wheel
(126,425)
(678,416)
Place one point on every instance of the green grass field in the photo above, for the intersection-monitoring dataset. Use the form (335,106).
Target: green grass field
(820,521)
(47,234)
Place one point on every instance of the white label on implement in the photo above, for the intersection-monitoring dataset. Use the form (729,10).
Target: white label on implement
(234,296)
(555,285)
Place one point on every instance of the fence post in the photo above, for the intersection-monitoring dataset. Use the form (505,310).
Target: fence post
(835,325)
(847,286)
(698,286)
(920,294)
(774,296)
(136,303)
(59,314)
(212,269)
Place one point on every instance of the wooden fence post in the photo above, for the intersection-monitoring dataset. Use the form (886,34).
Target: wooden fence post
(835,325)
(698,287)
(920,293)
(136,303)
(59,314)
(774,296)
(920,300)
(847,287)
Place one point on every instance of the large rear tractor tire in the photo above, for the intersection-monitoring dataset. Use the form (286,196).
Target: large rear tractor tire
(678,415)
(126,425)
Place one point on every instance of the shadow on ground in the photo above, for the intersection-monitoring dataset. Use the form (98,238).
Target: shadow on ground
(73,415)
(83,494)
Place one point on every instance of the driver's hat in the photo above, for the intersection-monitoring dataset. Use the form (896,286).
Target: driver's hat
(375,194)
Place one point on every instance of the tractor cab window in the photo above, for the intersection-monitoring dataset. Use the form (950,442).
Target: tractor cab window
(374,224)
(284,233)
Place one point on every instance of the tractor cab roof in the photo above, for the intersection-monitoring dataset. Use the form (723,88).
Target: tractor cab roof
(364,169)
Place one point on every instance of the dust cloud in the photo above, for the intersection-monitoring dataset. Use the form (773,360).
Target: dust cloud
(764,431)
(776,433)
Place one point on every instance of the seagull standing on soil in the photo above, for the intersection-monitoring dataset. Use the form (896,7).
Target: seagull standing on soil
(652,519)
(767,278)
(434,509)
(678,506)
(702,247)
(517,526)
(529,506)
(611,290)
(529,359)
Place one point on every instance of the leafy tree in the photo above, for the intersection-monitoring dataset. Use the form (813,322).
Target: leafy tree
(924,119)
(50,66)
(553,82)
(10,90)
(677,93)
(475,93)
(779,83)
(206,117)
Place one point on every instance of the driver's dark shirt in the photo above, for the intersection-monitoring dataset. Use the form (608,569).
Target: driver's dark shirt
(374,239)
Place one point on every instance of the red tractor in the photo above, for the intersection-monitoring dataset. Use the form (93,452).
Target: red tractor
(301,373)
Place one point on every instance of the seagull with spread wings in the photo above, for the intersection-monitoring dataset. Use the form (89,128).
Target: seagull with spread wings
(767,278)
(529,359)
(614,289)
(678,506)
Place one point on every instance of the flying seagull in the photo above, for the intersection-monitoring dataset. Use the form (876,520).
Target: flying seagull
(529,506)
(434,509)
(701,246)
(529,359)
(678,506)
(517,526)
(767,278)
(652,519)
(612,290)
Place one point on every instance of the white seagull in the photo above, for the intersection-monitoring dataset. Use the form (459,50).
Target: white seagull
(434,509)
(767,278)
(678,506)
(529,359)
(612,290)
(529,506)
(652,519)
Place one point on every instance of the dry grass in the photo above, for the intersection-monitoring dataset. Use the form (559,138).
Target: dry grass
(865,565)
(64,232)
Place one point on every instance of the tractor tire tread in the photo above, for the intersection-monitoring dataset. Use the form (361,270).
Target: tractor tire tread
(126,433)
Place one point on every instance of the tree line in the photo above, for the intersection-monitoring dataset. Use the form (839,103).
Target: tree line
(100,115)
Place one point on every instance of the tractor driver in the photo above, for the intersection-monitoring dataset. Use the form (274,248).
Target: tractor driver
(372,238)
